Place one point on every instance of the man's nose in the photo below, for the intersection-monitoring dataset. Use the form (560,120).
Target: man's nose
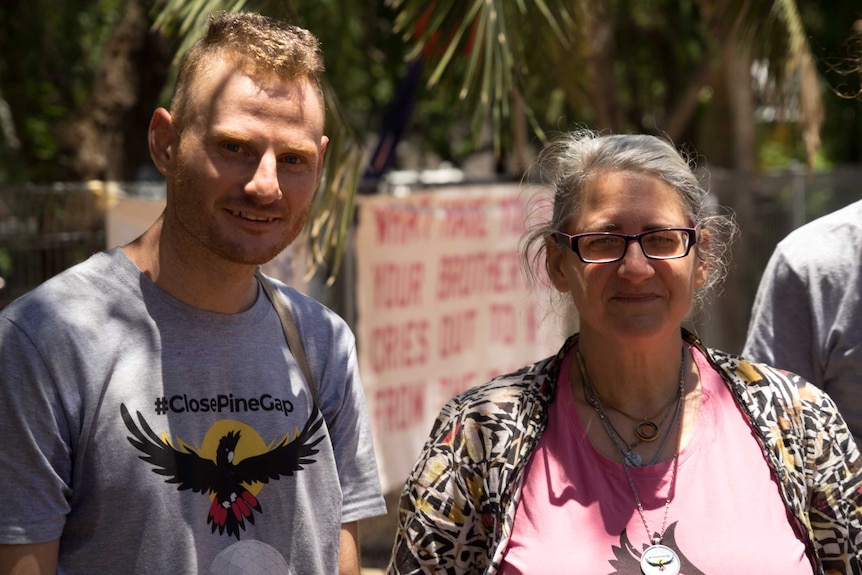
(263,185)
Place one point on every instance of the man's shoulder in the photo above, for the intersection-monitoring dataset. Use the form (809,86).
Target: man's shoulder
(846,220)
(66,290)
(824,246)
(300,303)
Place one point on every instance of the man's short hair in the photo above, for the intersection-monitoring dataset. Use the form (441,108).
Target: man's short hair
(257,44)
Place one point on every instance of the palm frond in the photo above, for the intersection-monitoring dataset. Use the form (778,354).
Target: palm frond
(801,69)
(333,207)
(185,20)
(773,31)
(479,41)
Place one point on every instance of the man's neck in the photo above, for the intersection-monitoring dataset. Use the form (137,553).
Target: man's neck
(199,280)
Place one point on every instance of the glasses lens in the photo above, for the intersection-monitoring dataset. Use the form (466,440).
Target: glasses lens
(601,247)
(665,243)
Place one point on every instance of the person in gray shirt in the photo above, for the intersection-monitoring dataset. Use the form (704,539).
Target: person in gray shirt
(154,417)
(807,315)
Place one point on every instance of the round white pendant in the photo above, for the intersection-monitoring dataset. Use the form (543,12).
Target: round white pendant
(659,560)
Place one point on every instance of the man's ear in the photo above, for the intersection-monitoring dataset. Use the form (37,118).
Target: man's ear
(162,140)
(323,142)
(554,261)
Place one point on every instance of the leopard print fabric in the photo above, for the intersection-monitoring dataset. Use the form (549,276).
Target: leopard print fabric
(458,505)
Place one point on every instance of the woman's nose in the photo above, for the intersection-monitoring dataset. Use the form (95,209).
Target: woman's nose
(634,262)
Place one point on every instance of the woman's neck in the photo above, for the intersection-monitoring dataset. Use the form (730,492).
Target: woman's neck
(634,378)
(633,389)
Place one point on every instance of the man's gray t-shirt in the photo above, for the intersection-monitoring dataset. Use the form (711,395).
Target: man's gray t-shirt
(807,316)
(149,435)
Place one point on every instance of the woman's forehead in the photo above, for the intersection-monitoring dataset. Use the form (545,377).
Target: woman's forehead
(629,195)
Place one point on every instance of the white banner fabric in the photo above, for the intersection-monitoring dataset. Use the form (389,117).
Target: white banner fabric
(442,306)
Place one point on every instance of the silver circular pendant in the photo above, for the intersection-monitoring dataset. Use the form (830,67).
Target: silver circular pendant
(659,560)
(633,458)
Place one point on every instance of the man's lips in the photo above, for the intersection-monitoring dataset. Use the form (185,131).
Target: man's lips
(252,217)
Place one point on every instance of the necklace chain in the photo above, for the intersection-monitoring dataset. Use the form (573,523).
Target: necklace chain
(632,417)
(630,456)
(657,538)
(627,453)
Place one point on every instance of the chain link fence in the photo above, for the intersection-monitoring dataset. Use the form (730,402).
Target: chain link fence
(43,231)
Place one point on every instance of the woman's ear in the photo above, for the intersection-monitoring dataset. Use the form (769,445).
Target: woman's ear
(701,272)
(554,261)
(162,140)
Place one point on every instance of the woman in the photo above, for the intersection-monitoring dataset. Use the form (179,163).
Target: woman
(635,449)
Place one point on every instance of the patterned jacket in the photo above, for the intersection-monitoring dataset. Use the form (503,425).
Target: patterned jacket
(458,505)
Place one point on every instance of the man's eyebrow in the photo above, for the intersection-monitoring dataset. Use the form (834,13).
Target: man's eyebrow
(228,134)
(285,147)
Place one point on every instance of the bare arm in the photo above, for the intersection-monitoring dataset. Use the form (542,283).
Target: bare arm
(30,559)
(348,553)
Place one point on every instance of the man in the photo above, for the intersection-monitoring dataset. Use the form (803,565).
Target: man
(807,315)
(154,419)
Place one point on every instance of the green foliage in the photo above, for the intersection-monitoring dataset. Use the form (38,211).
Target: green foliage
(5,263)
(836,40)
(780,146)
(477,50)
(50,50)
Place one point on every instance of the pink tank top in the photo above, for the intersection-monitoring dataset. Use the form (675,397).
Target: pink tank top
(577,513)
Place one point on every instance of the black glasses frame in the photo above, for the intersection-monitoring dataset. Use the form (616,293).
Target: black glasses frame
(572,242)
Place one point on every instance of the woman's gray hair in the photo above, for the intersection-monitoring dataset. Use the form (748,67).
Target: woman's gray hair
(568,164)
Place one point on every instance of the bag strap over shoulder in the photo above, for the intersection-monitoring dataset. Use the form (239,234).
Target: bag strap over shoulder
(291,333)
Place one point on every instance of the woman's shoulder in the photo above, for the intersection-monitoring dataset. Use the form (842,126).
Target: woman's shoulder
(511,405)
(764,378)
(534,382)
(773,394)
(740,372)
(797,420)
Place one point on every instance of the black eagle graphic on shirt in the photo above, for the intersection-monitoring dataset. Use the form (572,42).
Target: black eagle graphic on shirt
(232,503)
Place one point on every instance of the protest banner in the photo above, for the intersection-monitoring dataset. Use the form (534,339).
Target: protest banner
(442,306)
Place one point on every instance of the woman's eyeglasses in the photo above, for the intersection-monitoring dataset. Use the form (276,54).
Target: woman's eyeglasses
(608,247)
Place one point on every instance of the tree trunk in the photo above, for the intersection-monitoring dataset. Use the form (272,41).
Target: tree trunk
(602,83)
(683,110)
(106,138)
(737,67)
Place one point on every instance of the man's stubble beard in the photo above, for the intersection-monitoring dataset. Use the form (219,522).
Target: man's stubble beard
(208,235)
